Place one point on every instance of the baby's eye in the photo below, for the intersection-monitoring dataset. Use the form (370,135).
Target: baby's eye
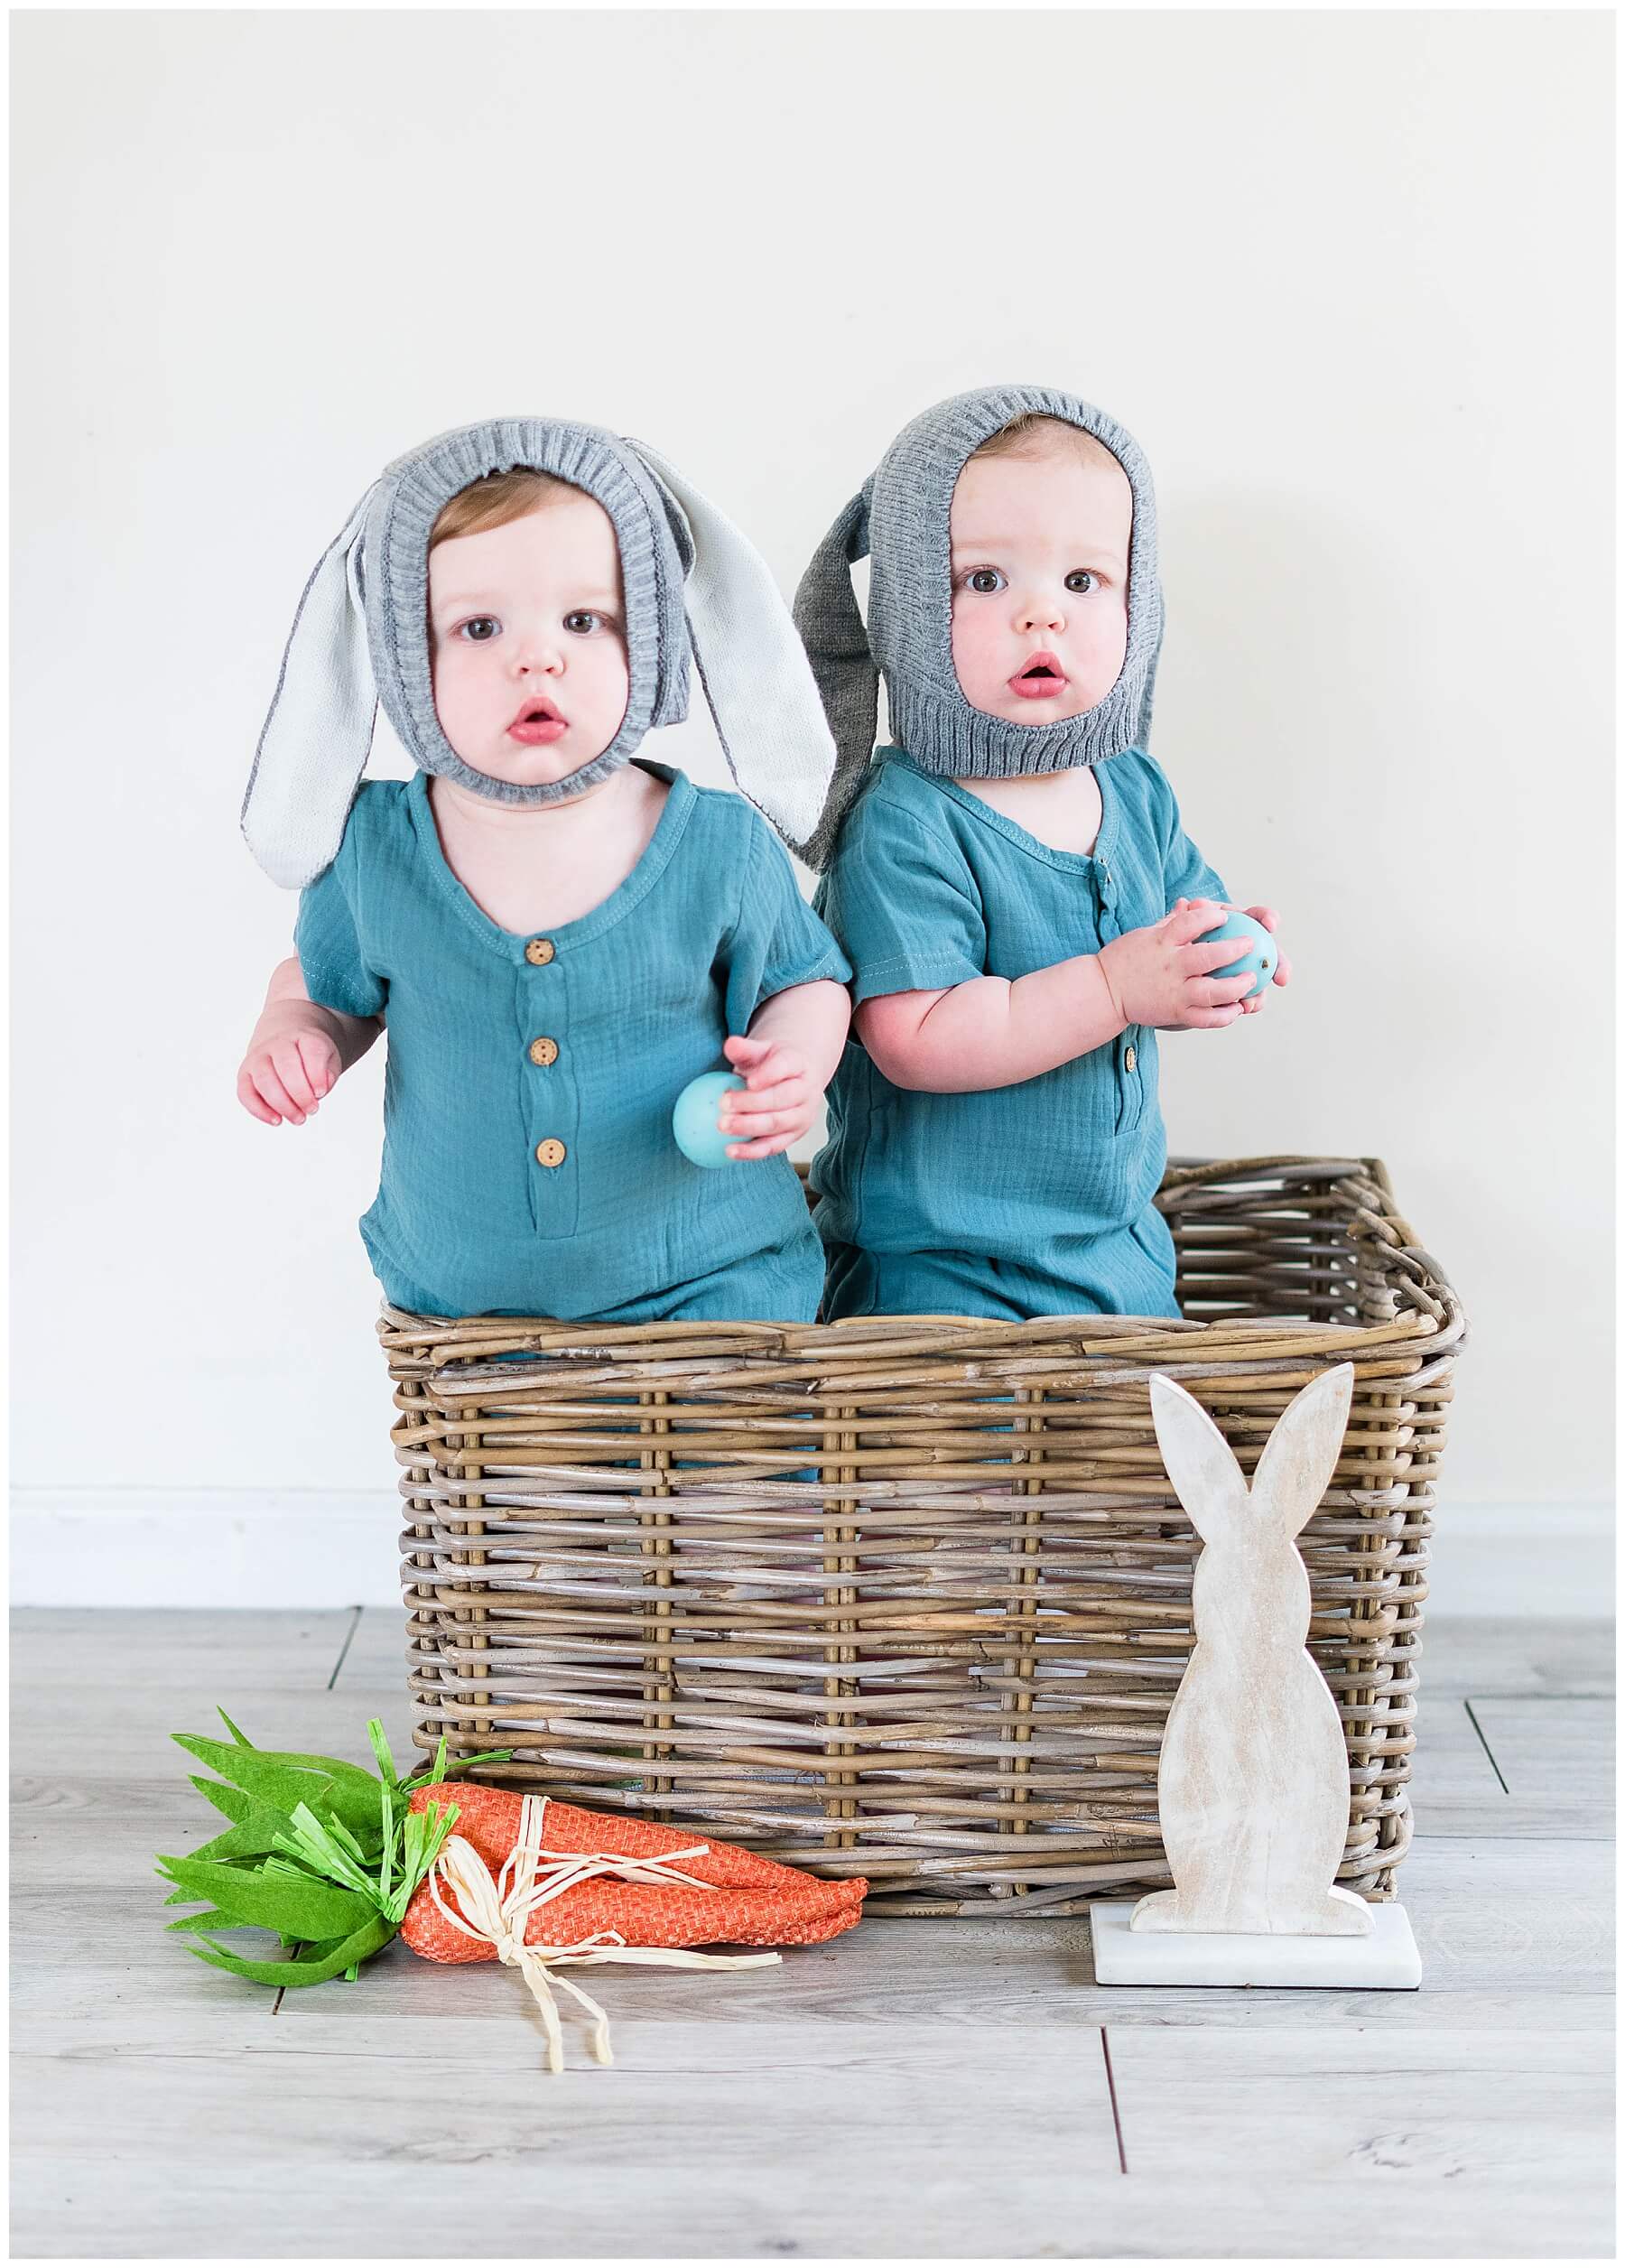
(1083,580)
(583,622)
(984,580)
(479,630)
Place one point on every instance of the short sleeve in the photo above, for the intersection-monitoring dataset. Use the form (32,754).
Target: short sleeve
(1185,872)
(777,940)
(902,899)
(327,938)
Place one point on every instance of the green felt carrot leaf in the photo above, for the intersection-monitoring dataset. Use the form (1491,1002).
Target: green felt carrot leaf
(284,1779)
(316,1966)
(319,1853)
(292,1902)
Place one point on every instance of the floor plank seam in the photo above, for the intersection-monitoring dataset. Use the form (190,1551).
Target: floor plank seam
(1489,1752)
(354,1625)
(1117,2123)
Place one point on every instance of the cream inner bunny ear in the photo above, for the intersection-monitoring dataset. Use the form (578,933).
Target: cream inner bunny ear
(313,745)
(1198,1460)
(1296,1467)
(757,679)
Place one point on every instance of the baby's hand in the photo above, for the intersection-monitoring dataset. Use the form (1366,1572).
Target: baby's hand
(777,1103)
(1162,976)
(291,1062)
(1266,918)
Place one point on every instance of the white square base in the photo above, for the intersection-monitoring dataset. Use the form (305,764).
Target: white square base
(1387,1961)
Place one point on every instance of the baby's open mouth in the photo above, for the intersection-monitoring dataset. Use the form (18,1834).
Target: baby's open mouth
(537,723)
(1040,678)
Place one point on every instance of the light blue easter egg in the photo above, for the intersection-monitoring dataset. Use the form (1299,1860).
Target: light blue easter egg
(694,1118)
(1261,955)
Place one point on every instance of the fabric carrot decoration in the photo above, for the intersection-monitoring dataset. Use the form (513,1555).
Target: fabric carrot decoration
(542,1886)
(335,1861)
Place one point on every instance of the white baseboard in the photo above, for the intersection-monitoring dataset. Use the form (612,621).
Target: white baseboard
(1522,1560)
(268,1548)
(309,1548)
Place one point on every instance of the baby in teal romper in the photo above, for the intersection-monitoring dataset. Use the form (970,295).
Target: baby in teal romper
(1021,907)
(558,939)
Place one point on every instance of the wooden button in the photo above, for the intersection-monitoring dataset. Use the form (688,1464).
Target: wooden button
(1130,1059)
(550,1152)
(544,1051)
(539,951)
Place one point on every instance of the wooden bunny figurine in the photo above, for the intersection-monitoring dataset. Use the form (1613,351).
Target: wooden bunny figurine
(1253,1783)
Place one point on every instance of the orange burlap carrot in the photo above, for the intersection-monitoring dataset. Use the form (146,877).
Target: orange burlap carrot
(540,1885)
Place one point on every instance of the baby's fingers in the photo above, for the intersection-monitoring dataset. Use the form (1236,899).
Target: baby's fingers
(1211,1019)
(320,1059)
(1220,991)
(750,1125)
(1191,918)
(253,1102)
(770,1147)
(1201,960)
(273,1092)
(289,1065)
(742,1107)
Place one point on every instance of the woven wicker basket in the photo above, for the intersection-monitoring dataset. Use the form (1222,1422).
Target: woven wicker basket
(910,1597)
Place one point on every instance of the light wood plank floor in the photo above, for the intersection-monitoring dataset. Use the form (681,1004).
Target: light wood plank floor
(917,2089)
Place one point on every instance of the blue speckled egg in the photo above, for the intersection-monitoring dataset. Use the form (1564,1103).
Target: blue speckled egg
(1261,955)
(694,1118)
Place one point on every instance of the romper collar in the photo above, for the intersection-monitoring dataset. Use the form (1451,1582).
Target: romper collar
(565,937)
(1069,862)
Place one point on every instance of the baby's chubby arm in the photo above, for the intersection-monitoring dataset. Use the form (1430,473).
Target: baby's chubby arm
(298,1050)
(993,1032)
(786,1060)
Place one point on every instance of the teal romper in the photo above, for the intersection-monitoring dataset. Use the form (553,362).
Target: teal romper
(1016,1201)
(529,1166)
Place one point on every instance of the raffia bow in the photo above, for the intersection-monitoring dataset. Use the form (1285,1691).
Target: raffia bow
(495,1912)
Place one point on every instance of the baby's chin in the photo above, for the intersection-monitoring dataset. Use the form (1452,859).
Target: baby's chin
(530,767)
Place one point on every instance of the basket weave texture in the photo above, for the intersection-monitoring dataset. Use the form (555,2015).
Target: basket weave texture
(909,1597)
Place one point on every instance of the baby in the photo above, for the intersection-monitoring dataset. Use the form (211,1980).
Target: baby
(556,938)
(1022,908)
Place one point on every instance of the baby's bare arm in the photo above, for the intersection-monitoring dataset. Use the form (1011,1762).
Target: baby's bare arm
(298,1050)
(992,1032)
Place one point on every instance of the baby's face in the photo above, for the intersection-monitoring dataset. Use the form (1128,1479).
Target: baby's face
(528,643)
(1040,562)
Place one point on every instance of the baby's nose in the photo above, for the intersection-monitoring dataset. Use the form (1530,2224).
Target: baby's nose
(1037,612)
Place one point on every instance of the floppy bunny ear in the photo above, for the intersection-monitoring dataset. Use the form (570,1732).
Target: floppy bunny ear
(314,742)
(1205,1475)
(757,684)
(833,630)
(1301,1455)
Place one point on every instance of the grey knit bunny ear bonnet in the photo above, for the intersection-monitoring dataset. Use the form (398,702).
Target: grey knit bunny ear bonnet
(694,588)
(899,520)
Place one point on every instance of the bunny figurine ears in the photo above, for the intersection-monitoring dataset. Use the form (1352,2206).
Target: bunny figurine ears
(899,520)
(694,589)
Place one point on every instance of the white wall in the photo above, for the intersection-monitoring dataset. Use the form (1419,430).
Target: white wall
(1345,275)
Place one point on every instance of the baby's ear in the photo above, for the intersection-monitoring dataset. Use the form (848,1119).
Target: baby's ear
(1204,1473)
(1302,1452)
